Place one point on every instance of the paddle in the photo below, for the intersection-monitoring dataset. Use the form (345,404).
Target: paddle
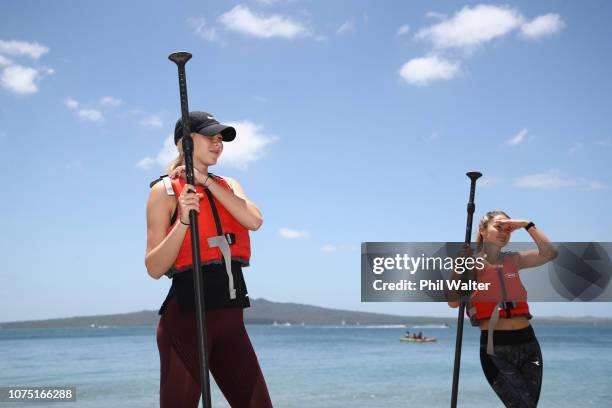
(181,58)
(473,175)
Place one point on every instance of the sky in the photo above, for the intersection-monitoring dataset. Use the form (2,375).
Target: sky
(356,120)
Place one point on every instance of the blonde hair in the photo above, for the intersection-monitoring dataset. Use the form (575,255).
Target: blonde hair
(178,160)
(484,223)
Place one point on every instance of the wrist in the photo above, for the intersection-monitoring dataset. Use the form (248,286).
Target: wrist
(529,225)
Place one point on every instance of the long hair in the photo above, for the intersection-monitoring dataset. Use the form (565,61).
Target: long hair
(178,160)
(484,223)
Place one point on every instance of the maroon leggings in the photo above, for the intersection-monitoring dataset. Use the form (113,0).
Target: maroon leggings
(231,359)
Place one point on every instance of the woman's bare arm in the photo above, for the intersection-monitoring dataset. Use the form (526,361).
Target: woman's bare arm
(545,252)
(237,203)
(162,248)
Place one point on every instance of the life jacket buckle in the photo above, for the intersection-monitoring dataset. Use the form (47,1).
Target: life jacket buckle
(508,306)
(230,237)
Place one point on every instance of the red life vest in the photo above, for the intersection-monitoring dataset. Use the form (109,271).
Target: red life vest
(213,220)
(506,291)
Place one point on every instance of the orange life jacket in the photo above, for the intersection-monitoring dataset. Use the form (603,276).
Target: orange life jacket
(213,220)
(506,296)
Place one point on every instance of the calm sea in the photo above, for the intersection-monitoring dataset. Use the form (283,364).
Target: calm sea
(309,366)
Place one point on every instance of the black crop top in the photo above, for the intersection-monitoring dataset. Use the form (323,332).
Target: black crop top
(216,290)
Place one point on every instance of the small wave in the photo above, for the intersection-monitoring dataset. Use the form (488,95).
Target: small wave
(430,326)
(101,326)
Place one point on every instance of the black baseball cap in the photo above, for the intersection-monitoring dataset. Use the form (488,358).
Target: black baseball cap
(205,124)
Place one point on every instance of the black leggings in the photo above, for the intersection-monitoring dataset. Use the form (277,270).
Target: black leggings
(515,371)
(232,361)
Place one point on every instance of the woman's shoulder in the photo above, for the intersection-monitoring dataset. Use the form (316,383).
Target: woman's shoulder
(512,256)
(230,181)
(161,192)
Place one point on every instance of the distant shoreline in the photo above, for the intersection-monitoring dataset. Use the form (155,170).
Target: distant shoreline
(266,312)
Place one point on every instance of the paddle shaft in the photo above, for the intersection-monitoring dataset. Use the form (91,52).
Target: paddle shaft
(181,58)
(471,207)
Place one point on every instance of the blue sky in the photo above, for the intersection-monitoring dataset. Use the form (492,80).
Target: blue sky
(356,122)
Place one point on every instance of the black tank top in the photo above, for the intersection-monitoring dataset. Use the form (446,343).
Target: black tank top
(216,289)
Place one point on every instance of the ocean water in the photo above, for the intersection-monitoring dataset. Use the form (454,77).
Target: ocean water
(309,366)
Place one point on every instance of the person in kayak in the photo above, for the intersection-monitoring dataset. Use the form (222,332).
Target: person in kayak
(225,215)
(510,354)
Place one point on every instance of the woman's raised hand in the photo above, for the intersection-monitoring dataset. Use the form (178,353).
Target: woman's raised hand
(189,200)
(511,224)
(180,171)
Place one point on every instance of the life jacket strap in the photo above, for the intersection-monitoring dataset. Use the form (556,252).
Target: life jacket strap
(491,328)
(168,184)
(213,208)
(223,245)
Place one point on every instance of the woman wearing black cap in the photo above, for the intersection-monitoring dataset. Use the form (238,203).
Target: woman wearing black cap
(225,215)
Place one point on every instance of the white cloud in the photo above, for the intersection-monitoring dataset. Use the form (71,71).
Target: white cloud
(163,158)
(403,30)
(575,148)
(329,248)
(204,30)
(487,181)
(22,48)
(346,27)
(266,2)
(554,179)
(110,102)
(436,15)
(422,71)
(472,26)
(5,61)
(71,103)
(517,139)
(243,20)
(467,30)
(19,79)
(152,121)
(248,146)
(542,26)
(145,163)
(292,233)
(93,115)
